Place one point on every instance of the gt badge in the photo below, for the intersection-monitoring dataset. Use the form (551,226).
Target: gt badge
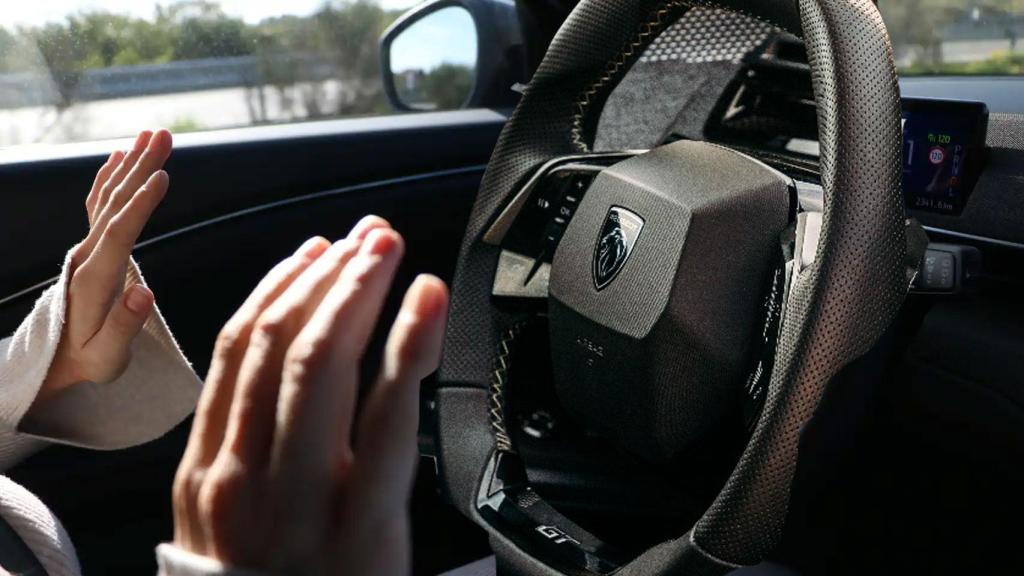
(618,235)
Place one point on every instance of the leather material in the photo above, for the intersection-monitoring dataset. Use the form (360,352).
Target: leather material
(839,305)
(842,303)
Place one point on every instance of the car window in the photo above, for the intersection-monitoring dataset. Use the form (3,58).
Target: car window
(956,37)
(77,70)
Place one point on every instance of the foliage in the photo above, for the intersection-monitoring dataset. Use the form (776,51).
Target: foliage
(448,86)
(342,32)
(998,64)
(184,124)
(344,35)
(917,28)
(56,46)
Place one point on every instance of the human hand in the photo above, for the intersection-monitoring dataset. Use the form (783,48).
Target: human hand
(279,474)
(103,318)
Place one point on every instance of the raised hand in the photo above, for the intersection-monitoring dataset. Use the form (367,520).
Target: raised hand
(102,317)
(279,474)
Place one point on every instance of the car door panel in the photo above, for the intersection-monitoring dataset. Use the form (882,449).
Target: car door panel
(237,205)
(223,172)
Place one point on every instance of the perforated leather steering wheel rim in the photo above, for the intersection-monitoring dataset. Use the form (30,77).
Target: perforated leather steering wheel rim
(838,306)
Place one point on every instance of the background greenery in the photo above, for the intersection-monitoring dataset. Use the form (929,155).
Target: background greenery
(919,27)
(191,29)
(342,33)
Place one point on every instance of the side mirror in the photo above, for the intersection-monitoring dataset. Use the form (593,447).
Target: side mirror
(451,54)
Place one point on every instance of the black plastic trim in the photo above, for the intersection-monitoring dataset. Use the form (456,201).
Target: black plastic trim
(263,207)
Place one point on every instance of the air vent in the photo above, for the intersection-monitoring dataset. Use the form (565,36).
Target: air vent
(769,106)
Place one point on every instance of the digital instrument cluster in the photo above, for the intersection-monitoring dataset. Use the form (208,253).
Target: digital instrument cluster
(943,152)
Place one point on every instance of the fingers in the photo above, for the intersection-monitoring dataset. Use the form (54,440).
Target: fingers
(152,158)
(366,225)
(323,361)
(147,155)
(282,385)
(112,343)
(122,170)
(319,387)
(102,176)
(212,415)
(387,443)
(98,281)
(215,402)
(251,423)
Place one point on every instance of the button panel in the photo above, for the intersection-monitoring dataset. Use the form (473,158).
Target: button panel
(947,269)
(543,221)
(938,271)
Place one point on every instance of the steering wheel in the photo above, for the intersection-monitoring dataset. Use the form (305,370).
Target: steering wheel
(676,283)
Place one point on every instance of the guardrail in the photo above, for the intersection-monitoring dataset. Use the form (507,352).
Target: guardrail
(38,88)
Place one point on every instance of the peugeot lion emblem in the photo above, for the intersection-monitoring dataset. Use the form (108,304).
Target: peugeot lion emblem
(619,232)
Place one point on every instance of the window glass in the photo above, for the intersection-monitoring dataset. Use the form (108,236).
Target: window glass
(74,70)
(956,37)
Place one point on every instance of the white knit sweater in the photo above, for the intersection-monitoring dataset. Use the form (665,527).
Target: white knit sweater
(157,391)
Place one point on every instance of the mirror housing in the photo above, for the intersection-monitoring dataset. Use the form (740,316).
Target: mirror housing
(500,61)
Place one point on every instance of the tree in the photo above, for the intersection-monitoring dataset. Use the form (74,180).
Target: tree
(64,58)
(11,52)
(292,52)
(916,26)
(202,30)
(448,86)
(349,31)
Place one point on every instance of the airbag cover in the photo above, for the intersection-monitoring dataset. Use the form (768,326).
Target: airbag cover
(656,291)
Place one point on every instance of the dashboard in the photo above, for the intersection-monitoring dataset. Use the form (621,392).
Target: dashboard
(962,178)
(963,157)
(944,152)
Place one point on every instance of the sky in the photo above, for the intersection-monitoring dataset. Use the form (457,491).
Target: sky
(445,36)
(15,12)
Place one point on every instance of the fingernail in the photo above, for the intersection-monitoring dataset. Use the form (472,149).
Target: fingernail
(159,179)
(312,247)
(160,136)
(366,225)
(380,242)
(137,299)
(425,301)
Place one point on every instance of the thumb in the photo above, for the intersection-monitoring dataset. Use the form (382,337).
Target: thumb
(111,345)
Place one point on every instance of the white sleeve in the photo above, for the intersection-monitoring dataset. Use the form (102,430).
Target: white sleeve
(157,391)
(174,561)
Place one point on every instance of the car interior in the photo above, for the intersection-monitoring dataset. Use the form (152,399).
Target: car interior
(732,282)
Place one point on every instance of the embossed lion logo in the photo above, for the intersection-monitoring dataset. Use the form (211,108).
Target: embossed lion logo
(611,251)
